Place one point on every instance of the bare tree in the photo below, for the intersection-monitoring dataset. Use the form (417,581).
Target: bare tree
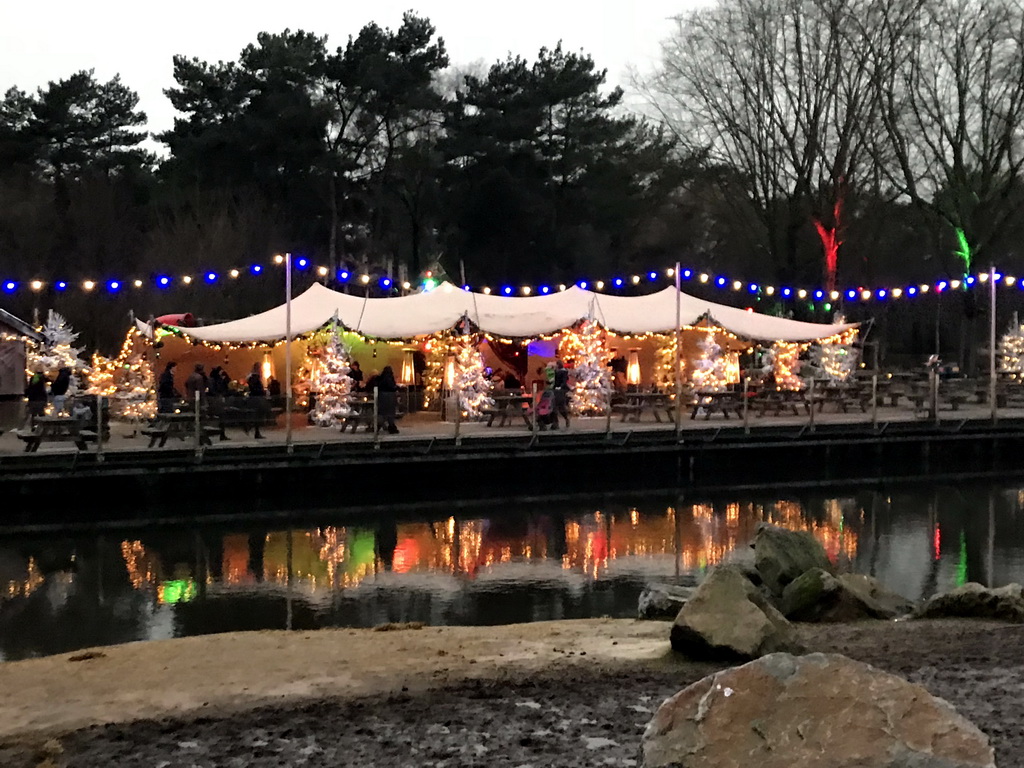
(777,90)
(949,75)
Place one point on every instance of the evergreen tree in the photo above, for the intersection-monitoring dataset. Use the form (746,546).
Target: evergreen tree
(332,383)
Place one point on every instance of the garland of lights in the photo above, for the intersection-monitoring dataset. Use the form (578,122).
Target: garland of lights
(385,283)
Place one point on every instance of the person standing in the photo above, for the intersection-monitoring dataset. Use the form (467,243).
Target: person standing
(196,383)
(387,400)
(59,389)
(257,399)
(167,395)
(560,384)
(35,391)
(255,382)
(356,374)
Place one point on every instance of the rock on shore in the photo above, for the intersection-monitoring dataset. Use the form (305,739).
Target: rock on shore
(783,711)
(729,618)
(974,601)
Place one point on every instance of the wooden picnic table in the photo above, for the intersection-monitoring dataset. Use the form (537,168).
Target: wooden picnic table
(779,400)
(57,429)
(508,407)
(721,402)
(635,404)
(181,425)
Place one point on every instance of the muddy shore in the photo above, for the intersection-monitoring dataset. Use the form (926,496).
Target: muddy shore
(574,693)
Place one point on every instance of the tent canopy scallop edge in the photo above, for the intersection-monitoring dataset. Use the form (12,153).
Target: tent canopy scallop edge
(422,314)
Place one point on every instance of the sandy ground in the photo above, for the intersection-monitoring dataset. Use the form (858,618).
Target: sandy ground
(574,693)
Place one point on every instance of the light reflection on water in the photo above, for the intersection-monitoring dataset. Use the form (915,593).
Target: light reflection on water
(544,561)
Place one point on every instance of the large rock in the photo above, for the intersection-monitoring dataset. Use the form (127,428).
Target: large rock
(817,595)
(780,556)
(784,711)
(974,601)
(729,618)
(662,601)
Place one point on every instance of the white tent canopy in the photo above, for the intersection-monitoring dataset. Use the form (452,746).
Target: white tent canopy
(441,309)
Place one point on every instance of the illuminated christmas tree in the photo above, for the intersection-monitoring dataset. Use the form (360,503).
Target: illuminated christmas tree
(55,350)
(128,380)
(835,360)
(710,370)
(665,362)
(783,363)
(472,386)
(585,350)
(332,383)
(436,353)
(1011,350)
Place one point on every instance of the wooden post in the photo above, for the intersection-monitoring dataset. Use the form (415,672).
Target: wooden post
(99,428)
(376,420)
(874,401)
(198,426)
(678,357)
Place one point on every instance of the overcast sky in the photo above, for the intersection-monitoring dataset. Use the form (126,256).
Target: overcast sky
(40,41)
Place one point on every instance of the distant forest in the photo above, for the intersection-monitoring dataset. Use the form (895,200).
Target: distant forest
(812,143)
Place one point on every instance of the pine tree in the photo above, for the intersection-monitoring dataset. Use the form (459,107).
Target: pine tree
(55,350)
(782,362)
(471,383)
(834,361)
(710,370)
(1011,350)
(332,383)
(585,350)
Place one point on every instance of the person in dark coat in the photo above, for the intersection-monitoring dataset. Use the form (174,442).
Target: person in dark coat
(196,383)
(387,400)
(356,374)
(258,398)
(35,391)
(59,389)
(255,382)
(561,391)
(167,395)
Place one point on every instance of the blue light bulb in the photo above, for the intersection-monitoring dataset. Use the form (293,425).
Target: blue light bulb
(10,286)
(211,277)
(163,281)
(343,275)
(652,275)
(256,269)
(113,286)
(61,285)
(506,290)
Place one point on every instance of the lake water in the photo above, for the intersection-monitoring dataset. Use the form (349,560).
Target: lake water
(491,564)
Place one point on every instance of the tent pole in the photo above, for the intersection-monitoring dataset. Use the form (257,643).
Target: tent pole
(288,353)
(678,356)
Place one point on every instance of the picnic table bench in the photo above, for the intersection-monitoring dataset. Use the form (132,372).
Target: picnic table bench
(778,401)
(507,408)
(57,429)
(180,425)
(720,402)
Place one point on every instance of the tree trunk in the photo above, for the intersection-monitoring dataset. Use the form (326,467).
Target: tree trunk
(333,244)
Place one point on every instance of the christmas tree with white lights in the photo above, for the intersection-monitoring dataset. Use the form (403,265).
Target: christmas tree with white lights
(472,386)
(834,360)
(332,383)
(55,351)
(783,363)
(585,350)
(1011,349)
(128,380)
(710,370)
